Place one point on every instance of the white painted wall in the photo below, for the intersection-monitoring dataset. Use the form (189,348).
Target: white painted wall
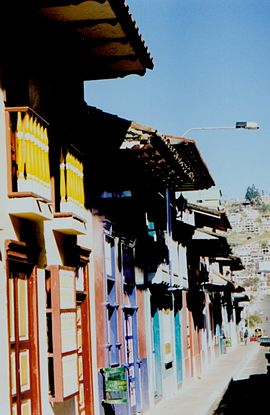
(4,220)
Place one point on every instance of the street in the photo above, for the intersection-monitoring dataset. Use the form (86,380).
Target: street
(248,391)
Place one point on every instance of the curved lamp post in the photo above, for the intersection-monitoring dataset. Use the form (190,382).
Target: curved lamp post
(246,125)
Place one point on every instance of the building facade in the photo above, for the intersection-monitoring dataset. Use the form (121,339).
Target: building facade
(102,308)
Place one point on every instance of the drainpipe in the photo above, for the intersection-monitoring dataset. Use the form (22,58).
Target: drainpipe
(171,287)
(169,235)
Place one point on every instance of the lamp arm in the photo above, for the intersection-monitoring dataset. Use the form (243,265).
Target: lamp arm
(206,128)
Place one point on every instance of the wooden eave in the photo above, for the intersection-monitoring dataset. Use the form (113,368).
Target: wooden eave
(217,246)
(210,218)
(234,262)
(178,167)
(189,153)
(97,37)
(182,232)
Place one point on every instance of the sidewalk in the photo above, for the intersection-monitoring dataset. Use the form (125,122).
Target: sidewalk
(202,396)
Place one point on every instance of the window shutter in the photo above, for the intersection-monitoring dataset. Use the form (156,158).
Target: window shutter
(62,332)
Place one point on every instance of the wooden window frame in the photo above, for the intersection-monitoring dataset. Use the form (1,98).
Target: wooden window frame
(17,262)
(113,345)
(57,354)
(84,353)
(82,299)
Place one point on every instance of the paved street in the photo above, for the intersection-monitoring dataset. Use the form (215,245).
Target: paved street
(248,391)
(237,383)
(203,395)
(254,365)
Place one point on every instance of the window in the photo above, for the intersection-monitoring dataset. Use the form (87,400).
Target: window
(23,334)
(112,306)
(62,332)
(70,352)
(128,264)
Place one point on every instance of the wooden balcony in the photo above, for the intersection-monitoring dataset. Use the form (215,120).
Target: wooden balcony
(70,219)
(29,189)
(69,224)
(30,207)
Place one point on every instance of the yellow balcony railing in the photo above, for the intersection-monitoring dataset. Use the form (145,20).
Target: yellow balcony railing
(71,182)
(29,161)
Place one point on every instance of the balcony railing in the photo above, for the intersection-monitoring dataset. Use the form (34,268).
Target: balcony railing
(71,182)
(29,159)
(29,174)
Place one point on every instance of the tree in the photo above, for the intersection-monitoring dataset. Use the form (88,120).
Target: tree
(253,320)
(252,282)
(253,194)
(264,207)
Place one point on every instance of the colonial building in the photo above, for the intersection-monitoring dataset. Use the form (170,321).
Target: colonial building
(47,291)
(102,308)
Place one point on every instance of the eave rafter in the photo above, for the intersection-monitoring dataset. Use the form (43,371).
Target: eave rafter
(100,37)
(63,3)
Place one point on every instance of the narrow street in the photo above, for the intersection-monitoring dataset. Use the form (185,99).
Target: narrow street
(237,383)
(248,391)
(209,395)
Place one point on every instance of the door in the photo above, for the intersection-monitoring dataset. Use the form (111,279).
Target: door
(85,397)
(157,354)
(178,347)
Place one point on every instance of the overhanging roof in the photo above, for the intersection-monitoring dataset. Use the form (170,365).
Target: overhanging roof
(99,37)
(189,153)
(215,287)
(210,218)
(218,282)
(178,167)
(209,244)
(137,158)
(182,232)
(234,262)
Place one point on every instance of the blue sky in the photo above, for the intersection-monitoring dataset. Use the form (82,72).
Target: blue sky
(211,68)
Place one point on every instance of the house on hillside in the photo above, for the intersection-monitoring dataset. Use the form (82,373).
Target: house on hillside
(210,198)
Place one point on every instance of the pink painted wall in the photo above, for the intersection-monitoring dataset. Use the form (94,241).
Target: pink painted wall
(99,281)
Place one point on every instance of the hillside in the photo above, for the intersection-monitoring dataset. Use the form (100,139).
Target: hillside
(249,237)
(239,238)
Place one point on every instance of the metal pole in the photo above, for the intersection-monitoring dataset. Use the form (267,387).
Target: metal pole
(207,128)
(169,233)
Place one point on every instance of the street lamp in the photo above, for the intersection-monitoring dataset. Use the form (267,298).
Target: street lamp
(247,125)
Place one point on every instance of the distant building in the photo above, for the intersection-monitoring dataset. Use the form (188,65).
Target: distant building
(210,198)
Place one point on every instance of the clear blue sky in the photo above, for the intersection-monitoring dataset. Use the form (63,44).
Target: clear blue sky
(211,68)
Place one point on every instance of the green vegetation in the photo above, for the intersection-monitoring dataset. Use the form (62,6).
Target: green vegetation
(253,195)
(237,238)
(251,282)
(253,320)
(264,208)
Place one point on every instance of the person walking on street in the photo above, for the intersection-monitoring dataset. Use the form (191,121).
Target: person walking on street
(246,336)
